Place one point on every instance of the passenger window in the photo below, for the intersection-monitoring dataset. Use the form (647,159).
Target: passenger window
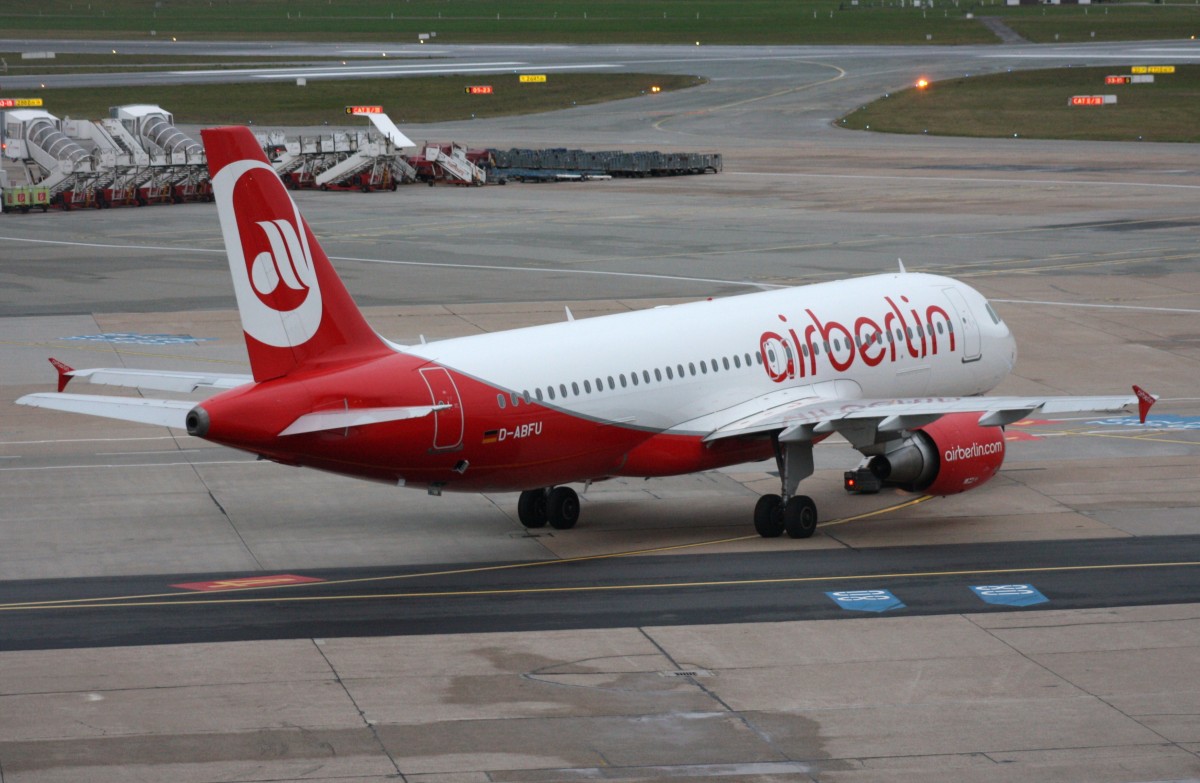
(623,383)
(725,361)
(657,374)
(680,368)
(692,368)
(515,399)
(737,362)
(633,377)
(646,376)
(525,394)
(748,362)
(500,401)
(939,327)
(670,375)
(538,392)
(908,331)
(587,386)
(612,384)
(550,392)
(816,350)
(575,388)
(703,368)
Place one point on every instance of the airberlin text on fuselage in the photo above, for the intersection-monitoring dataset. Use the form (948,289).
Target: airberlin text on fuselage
(793,351)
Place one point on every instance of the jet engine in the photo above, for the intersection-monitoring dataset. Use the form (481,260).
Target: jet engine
(951,455)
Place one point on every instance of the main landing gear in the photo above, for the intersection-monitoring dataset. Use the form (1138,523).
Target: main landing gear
(557,505)
(795,514)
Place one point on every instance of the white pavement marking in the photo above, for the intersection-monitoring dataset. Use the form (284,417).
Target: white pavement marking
(1103,306)
(534,270)
(141,465)
(554,270)
(355,67)
(427,70)
(80,440)
(979,180)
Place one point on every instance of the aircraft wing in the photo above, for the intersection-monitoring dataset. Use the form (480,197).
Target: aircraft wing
(873,419)
(159,380)
(167,413)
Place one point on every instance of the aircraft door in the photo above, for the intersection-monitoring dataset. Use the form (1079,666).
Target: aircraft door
(449,423)
(965,323)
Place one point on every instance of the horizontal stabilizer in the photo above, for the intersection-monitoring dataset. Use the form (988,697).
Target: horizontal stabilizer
(166,413)
(356,417)
(161,380)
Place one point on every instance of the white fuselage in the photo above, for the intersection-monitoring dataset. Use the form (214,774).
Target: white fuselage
(671,369)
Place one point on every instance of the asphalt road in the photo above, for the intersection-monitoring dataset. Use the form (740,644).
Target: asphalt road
(614,591)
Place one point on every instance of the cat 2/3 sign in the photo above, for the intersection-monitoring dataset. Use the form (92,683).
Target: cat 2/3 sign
(356,110)
(1091,100)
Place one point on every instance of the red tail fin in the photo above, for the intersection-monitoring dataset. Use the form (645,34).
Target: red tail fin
(295,311)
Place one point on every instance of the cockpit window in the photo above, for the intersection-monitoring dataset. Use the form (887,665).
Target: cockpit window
(995,318)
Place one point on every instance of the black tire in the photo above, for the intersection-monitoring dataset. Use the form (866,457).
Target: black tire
(768,516)
(562,508)
(531,508)
(800,517)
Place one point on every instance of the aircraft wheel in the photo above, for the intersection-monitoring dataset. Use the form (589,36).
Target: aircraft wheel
(768,516)
(531,508)
(562,508)
(800,517)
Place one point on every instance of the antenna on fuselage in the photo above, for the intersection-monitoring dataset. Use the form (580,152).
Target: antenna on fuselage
(900,261)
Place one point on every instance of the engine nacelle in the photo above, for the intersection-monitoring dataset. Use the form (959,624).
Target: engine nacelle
(951,455)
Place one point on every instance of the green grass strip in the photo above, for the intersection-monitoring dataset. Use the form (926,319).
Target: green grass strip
(405,100)
(1033,104)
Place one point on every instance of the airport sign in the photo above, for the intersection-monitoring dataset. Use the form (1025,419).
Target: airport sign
(532,78)
(20,103)
(479,89)
(357,110)
(1152,69)
(1091,100)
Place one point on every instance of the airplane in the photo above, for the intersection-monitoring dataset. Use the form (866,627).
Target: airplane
(894,363)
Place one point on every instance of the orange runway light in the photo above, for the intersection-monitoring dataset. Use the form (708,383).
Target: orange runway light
(922,83)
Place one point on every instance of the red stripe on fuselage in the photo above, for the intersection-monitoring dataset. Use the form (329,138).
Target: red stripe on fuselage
(535,445)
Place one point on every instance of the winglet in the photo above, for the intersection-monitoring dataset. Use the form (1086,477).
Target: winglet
(65,372)
(1145,400)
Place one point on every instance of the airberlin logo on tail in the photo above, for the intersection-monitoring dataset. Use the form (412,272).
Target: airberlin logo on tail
(286,262)
(269,255)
